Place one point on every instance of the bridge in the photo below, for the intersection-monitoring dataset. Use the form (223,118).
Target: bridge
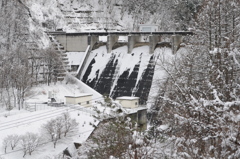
(75,42)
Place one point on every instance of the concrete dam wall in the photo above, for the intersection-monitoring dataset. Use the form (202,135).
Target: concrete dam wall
(120,68)
(120,73)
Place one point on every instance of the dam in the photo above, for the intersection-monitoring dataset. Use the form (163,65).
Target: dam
(117,68)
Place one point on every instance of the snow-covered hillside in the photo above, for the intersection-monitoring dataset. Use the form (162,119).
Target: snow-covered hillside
(32,123)
(73,16)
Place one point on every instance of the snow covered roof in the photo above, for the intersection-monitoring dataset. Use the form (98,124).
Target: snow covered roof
(127,98)
(148,25)
(79,95)
(134,110)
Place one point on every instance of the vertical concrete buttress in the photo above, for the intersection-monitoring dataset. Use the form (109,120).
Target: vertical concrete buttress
(111,40)
(92,40)
(142,119)
(132,40)
(153,40)
(176,41)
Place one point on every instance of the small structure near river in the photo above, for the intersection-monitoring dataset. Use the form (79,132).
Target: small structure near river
(83,99)
(128,102)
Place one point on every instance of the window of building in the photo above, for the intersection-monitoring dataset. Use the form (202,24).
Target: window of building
(136,103)
(88,102)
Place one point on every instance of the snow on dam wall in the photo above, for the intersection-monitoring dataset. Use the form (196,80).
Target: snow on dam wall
(122,74)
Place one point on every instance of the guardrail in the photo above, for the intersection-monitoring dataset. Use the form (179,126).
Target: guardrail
(122,33)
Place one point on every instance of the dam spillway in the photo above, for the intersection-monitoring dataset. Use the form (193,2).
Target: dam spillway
(122,74)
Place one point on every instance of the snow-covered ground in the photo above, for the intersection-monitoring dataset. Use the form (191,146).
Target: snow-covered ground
(75,58)
(21,122)
(41,93)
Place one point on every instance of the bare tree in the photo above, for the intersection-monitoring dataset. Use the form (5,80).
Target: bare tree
(14,140)
(59,126)
(63,124)
(29,142)
(53,63)
(49,128)
(70,125)
(5,144)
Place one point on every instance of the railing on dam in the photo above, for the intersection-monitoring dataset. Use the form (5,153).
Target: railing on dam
(122,33)
(79,41)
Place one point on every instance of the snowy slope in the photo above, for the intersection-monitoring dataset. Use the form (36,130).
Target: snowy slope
(16,125)
(40,93)
(21,122)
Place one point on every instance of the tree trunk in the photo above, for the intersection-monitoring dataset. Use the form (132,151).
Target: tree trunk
(24,154)
(54,144)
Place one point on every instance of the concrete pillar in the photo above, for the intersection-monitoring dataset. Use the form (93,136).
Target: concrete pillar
(134,117)
(111,40)
(153,40)
(176,41)
(139,117)
(92,40)
(142,119)
(132,40)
